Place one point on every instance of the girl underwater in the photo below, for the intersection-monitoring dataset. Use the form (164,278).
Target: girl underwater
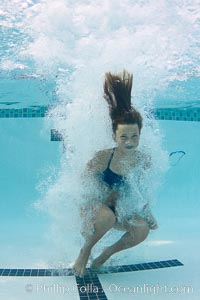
(111,169)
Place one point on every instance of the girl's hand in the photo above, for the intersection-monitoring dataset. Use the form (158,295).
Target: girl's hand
(152,222)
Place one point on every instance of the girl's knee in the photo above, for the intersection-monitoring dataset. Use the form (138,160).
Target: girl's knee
(107,213)
(140,230)
(99,223)
(105,216)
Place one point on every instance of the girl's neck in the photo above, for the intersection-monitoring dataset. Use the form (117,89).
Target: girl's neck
(122,154)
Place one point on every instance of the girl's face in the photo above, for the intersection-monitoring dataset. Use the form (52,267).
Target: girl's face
(127,136)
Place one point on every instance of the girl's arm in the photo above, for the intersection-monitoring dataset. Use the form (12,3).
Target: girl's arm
(149,217)
(93,172)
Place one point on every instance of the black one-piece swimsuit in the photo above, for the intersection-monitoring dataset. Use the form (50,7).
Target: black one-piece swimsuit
(113,179)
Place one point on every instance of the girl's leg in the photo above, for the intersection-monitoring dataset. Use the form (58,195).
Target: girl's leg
(105,219)
(133,236)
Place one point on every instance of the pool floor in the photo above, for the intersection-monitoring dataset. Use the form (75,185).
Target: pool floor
(179,282)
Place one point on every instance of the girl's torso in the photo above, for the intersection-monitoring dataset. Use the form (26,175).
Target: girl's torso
(112,170)
(117,164)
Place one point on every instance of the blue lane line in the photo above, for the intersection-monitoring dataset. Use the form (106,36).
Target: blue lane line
(89,287)
(112,269)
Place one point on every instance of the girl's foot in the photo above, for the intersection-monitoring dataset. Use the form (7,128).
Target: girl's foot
(99,261)
(80,264)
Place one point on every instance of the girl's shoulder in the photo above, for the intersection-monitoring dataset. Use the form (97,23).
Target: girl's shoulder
(103,153)
(99,159)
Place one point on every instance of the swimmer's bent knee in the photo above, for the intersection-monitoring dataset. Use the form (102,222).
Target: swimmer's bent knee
(106,216)
(142,230)
(101,221)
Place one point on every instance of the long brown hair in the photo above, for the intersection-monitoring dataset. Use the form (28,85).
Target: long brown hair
(117,93)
